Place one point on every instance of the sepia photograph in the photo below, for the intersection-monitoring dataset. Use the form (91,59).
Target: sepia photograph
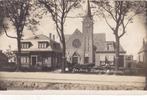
(94,45)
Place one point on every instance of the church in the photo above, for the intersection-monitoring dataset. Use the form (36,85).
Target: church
(86,47)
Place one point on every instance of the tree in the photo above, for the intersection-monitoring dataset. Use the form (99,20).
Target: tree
(1,17)
(17,11)
(59,10)
(122,14)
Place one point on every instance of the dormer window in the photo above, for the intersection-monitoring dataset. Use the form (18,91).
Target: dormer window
(109,47)
(42,45)
(25,45)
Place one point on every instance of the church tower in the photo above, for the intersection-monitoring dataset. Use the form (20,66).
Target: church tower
(88,36)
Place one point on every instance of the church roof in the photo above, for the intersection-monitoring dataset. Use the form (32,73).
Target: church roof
(77,32)
(100,43)
(67,37)
(99,37)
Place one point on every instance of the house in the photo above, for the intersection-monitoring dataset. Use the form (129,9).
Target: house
(142,54)
(105,53)
(10,55)
(89,47)
(41,52)
(3,58)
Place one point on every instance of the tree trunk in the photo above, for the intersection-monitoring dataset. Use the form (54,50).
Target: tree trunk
(64,47)
(117,46)
(64,56)
(19,54)
(145,66)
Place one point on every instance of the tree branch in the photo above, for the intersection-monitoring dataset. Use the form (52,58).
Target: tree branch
(110,12)
(7,33)
(108,22)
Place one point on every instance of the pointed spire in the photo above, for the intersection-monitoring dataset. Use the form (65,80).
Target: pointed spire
(88,9)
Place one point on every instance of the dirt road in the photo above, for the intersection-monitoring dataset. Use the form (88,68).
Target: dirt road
(85,79)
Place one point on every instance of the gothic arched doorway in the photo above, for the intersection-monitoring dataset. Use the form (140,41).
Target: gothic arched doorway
(75,58)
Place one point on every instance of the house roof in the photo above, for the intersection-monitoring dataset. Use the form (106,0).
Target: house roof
(38,37)
(102,47)
(34,40)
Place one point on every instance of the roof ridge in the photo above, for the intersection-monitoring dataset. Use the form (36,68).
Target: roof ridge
(38,35)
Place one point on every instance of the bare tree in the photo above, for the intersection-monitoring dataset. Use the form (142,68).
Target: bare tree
(59,10)
(1,17)
(117,15)
(17,11)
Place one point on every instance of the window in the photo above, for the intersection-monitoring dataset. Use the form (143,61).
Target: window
(110,57)
(25,60)
(109,47)
(102,57)
(56,46)
(47,61)
(86,59)
(139,58)
(76,43)
(42,45)
(24,45)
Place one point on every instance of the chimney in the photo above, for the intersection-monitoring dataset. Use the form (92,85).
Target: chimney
(50,35)
(54,37)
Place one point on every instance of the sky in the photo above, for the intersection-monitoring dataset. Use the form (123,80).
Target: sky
(131,41)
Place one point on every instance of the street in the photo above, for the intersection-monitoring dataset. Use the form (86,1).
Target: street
(84,79)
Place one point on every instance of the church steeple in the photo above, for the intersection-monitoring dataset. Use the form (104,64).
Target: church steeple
(88,36)
(88,9)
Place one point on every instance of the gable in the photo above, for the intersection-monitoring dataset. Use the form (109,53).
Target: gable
(70,38)
(76,33)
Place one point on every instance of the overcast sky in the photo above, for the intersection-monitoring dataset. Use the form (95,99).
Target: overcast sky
(131,41)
